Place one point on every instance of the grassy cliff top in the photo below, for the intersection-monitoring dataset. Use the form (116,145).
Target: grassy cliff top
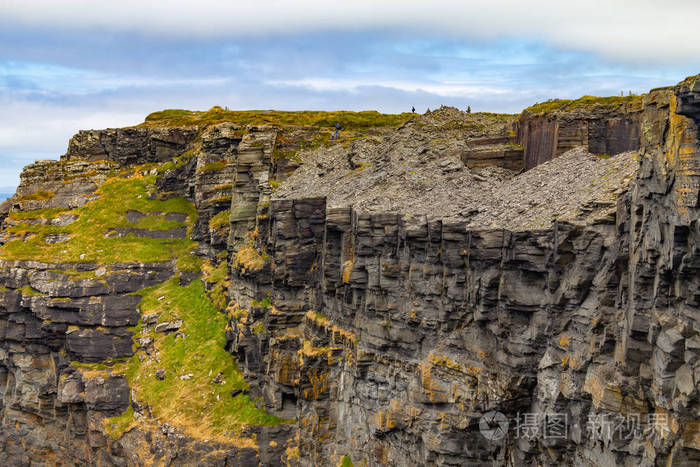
(346,119)
(555,105)
(91,239)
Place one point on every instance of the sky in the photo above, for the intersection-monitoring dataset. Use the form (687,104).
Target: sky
(78,64)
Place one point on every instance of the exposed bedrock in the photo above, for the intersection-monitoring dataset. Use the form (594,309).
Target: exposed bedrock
(389,338)
(130,145)
(601,127)
(51,410)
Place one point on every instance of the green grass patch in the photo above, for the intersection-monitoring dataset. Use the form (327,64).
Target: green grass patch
(347,120)
(204,409)
(218,282)
(214,166)
(40,195)
(220,199)
(177,162)
(554,105)
(291,154)
(88,242)
(220,221)
(258,328)
(216,274)
(156,222)
(274,183)
(249,258)
(189,263)
(49,213)
(609,101)
(115,427)
(264,303)
(29,291)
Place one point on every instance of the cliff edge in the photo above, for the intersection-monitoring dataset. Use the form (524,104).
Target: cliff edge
(243,288)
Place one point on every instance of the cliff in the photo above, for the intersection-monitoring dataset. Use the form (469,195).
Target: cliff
(609,125)
(235,288)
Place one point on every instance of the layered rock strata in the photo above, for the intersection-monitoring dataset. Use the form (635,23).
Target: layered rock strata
(603,126)
(65,327)
(381,338)
(391,340)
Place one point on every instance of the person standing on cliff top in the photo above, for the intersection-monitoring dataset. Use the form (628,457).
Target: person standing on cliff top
(413,109)
(337,129)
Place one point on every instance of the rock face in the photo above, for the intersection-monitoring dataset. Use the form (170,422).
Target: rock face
(489,152)
(391,340)
(50,409)
(603,126)
(382,337)
(130,145)
(64,325)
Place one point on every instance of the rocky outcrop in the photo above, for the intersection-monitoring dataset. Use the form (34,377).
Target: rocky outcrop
(393,341)
(65,184)
(128,146)
(215,173)
(64,326)
(602,125)
(49,407)
(386,337)
(493,152)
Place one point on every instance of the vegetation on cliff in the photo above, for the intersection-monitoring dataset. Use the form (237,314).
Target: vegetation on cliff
(584,102)
(347,120)
(217,282)
(249,257)
(95,236)
(199,388)
(198,375)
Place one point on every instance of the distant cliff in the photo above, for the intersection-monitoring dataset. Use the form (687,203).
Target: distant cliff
(236,288)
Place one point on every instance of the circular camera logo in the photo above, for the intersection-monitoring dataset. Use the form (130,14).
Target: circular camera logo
(493,426)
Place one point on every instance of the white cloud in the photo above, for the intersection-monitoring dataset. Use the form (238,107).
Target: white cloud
(34,126)
(643,30)
(64,80)
(439,89)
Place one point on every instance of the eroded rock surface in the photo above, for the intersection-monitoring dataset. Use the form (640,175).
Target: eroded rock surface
(384,300)
(390,339)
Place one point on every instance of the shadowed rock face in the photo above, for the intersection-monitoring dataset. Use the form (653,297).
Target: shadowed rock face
(687,97)
(130,145)
(384,338)
(390,339)
(601,128)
